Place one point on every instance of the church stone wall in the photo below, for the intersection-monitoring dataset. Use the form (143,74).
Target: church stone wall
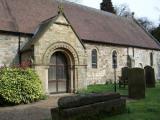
(142,59)
(8,49)
(27,56)
(9,44)
(156,63)
(105,73)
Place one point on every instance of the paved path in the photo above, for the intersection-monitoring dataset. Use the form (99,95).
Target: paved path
(34,111)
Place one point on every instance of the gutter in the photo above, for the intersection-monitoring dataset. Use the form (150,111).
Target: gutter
(121,45)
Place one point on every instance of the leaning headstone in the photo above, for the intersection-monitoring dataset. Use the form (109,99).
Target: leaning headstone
(136,83)
(149,76)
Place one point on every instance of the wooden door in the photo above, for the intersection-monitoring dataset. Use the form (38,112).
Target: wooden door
(58,73)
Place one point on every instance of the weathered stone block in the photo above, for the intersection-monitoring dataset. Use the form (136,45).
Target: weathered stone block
(88,107)
(90,111)
(55,114)
(80,100)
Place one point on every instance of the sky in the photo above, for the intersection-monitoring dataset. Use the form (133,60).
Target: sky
(141,8)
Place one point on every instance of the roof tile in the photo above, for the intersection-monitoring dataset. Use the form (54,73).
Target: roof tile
(90,24)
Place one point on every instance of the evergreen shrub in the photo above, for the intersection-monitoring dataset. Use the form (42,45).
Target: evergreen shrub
(19,86)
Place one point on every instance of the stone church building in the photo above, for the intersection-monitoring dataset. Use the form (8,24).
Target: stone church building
(73,46)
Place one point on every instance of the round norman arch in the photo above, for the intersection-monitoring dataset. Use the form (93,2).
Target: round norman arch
(63,47)
(113,51)
(96,48)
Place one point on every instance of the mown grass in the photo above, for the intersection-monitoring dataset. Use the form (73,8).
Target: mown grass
(104,88)
(144,109)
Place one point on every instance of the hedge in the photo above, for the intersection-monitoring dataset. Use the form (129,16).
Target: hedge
(19,86)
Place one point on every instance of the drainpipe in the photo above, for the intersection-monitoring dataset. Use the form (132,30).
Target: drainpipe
(19,48)
(133,51)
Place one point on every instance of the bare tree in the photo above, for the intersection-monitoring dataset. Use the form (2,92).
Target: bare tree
(146,23)
(123,10)
(156,32)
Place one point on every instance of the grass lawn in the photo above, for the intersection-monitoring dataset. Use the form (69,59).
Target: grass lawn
(104,88)
(145,109)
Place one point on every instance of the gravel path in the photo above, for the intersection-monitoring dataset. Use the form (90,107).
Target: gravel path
(35,111)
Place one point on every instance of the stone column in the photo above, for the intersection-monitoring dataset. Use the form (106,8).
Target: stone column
(42,71)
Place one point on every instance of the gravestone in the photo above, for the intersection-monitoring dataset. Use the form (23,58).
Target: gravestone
(125,73)
(149,76)
(124,77)
(136,83)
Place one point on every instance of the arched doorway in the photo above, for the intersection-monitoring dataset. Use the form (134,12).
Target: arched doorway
(58,73)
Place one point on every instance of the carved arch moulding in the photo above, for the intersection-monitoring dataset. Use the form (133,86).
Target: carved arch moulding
(60,46)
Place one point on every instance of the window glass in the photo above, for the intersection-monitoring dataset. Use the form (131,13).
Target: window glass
(114,59)
(94,58)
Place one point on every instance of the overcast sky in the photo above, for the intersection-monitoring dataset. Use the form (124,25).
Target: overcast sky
(142,8)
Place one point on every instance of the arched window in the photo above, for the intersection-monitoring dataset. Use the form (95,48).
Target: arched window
(114,59)
(94,58)
(140,65)
(151,59)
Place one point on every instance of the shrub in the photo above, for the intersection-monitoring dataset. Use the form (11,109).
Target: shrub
(19,86)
